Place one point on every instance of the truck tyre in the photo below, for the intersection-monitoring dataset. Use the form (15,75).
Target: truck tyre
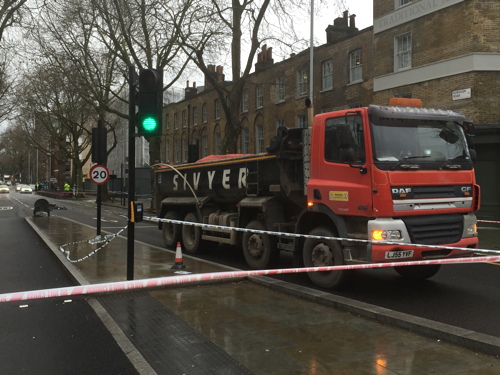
(171,232)
(323,253)
(259,249)
(191,234)
(418,272)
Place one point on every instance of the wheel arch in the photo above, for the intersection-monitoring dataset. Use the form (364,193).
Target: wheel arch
(320,216)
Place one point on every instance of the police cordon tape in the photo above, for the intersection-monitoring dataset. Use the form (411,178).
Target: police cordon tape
(194,278)
(184,279)
(97,240)
(297,235)
(488,221)
(107,238)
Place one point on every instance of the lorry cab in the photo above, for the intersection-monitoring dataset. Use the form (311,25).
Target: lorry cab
(394,173)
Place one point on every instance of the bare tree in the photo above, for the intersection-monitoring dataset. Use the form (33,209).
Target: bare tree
(14,153)
(56,119)
(240,26)
(11,15)
(102,38)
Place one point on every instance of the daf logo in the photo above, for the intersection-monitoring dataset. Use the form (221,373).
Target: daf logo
(401,190)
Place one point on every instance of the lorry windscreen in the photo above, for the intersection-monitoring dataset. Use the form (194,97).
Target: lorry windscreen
(419,144)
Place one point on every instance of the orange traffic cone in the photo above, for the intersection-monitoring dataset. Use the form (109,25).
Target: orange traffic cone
(179,265)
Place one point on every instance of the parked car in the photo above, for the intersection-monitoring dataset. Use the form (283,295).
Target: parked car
(4,189)
(26,189)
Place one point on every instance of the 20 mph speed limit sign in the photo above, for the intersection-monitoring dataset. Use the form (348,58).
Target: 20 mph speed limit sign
(99,174)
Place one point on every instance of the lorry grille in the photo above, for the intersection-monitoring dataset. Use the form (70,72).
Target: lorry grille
(435,230)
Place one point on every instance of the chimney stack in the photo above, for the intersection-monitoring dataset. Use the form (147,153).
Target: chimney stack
(342,27)
(264,58)
(190,92)
(217,73)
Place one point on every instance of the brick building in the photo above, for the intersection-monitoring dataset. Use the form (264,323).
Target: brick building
(445,52)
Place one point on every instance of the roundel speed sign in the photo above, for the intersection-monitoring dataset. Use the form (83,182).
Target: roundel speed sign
(99,174)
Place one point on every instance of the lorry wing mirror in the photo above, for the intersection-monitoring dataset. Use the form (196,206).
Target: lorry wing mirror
(469,128)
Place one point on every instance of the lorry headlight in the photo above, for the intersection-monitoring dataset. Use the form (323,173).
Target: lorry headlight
(386,235)
(472,229)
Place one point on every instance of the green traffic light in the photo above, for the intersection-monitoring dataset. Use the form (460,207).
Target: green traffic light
(149,124)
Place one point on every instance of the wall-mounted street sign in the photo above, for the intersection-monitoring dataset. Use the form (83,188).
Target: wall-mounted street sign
(99,174)
(461,94)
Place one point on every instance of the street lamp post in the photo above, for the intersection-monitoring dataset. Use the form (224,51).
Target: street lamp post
(310,108)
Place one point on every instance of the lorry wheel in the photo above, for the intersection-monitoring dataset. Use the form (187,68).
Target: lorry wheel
(191,234)
(171,232)
(259,249)
(323,253)
(418,272)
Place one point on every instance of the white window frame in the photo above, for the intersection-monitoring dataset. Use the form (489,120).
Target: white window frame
(280,89)
(301,82)
(302,121)
(327,74)
(204,113)
(259,138)
(356,66)
(259,97)
(280,122)
(204,145)
(245,141)
(217,143)
(167,150)
(176,151)
(402,52)
(244,101)
(195,116)
(401,3)
(176,121)
(184,150)
(217,109)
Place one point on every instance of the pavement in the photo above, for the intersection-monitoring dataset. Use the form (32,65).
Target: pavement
(255,325)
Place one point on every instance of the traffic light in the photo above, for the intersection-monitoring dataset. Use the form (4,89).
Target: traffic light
(99,144)
(150,103)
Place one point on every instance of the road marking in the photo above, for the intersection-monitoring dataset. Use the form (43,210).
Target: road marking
(6,208)
(107,221)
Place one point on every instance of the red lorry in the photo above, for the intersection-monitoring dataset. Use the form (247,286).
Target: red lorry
(379,174)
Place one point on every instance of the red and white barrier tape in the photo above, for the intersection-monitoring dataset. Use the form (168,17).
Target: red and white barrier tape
(184,279)
(297,235)
(105,240)
(488,221)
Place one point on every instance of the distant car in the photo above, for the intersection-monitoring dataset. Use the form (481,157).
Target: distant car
(4,189)
(26,189)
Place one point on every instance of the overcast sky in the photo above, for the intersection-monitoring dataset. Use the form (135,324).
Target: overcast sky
(363,9)
(325,14)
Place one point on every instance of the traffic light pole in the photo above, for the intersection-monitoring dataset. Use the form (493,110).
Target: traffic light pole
(131,171)
(99,186)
